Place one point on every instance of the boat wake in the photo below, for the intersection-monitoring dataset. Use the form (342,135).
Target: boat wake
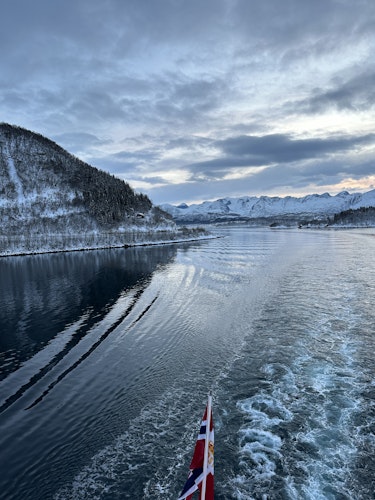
(305,432)
(138,451)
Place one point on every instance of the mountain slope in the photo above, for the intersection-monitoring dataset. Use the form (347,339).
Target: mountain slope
(269,208)
(51,200)
(44,188)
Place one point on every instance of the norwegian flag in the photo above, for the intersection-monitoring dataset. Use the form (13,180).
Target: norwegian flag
(202,463)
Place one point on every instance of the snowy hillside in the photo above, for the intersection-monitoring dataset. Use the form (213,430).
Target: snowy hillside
(51,200)
(269,208)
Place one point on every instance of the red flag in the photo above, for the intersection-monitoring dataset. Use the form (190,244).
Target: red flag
(202,463)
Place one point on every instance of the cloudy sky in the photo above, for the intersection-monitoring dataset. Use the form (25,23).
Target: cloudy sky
(192,100)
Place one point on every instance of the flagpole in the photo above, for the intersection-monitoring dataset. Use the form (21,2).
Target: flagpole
(205,461)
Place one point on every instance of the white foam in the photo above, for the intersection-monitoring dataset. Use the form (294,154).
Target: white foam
(265,411)
(137,450)
(259,441)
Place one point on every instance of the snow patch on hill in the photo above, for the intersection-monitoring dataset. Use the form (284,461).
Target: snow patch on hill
(13,176)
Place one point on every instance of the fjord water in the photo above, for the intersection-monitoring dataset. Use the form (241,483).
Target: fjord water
(107,357)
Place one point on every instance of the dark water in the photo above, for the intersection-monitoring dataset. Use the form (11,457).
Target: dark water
(106,359)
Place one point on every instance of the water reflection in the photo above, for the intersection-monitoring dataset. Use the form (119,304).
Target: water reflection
(43,294)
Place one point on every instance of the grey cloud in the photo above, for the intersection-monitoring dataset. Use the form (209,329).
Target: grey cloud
(121,168)
(303,29)
(188,142)
(76,142)
(219,167)
(92,105)
(283,148)
(322,173)
(256,151)
(75,21)
(117,29)
(124,162)
(137,22)
(176,75)
(270,180)
(153,180)
(356,93)
(12,99)
(153,102)
(263,182)
(114,29)
(143,155)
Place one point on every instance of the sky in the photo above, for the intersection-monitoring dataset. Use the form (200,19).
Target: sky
(192,100)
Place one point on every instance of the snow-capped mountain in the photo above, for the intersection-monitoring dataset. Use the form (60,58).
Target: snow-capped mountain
(43,187)
(50,200)
(269,208)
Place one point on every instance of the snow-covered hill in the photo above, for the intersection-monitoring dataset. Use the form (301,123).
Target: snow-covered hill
(269,208)
(51,200)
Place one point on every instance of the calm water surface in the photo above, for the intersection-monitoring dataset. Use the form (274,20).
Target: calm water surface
(106,359)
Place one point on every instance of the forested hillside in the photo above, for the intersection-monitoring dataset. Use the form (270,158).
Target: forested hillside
(362,217)
(48,195)
(44,186)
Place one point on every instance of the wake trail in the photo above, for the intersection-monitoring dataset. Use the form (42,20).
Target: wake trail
(80,334)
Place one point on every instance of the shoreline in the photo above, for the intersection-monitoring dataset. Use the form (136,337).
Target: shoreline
(23,253)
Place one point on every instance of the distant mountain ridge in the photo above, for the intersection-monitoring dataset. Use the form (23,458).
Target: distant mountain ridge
(50,200)
(265,209)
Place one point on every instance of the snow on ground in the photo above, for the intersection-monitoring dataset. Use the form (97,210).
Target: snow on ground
(48,243)
(13,175)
